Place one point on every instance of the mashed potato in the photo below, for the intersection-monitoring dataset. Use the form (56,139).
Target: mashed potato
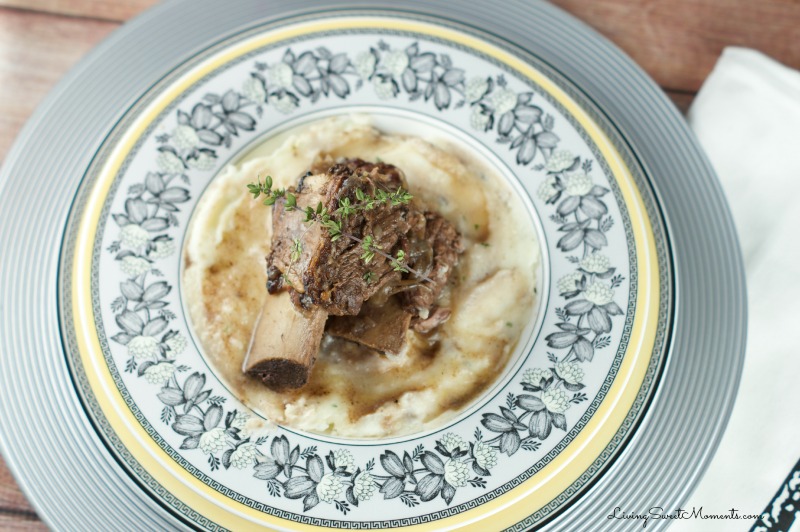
(353,391)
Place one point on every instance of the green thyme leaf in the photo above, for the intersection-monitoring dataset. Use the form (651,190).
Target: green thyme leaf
(366,244)
(397,262)
(297,250)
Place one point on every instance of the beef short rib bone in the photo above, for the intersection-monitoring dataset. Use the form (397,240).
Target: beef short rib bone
(285,343)
(312,274)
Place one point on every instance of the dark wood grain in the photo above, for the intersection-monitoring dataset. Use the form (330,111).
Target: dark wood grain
(36,50)
(11,522)
(112,10)
(678,41)
(675,41)
(16,512)
(10,495)
(682,100)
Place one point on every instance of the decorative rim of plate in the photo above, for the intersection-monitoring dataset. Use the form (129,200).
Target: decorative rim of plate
(169,156)
(679,154)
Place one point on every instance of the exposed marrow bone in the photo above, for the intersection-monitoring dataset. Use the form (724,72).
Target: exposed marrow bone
(285,343)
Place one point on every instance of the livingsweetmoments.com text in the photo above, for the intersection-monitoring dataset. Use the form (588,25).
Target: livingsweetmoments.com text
(657,513)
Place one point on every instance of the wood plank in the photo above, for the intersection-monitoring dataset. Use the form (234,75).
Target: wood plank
(678,41)
(114,10)
(10,522)
(36,50)
(682,100)
(11,498)
(16,513)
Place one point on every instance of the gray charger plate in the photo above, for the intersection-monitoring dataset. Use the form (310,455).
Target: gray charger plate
(49,442)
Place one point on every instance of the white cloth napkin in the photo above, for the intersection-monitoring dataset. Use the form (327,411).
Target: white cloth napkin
(747,118)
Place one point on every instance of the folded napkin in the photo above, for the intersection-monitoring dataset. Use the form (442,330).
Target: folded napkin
(747,118)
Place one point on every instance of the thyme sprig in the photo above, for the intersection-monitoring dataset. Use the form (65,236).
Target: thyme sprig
(332,221)
(272,195)
(297,250)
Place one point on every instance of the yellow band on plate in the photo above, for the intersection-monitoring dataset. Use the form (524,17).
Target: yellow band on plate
(505,510)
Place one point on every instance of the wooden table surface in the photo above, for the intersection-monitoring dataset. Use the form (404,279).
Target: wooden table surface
(676,41)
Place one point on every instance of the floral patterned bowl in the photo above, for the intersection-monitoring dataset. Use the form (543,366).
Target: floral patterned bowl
(582,377)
